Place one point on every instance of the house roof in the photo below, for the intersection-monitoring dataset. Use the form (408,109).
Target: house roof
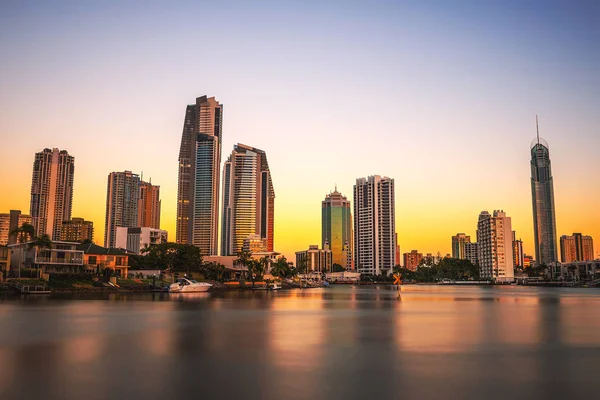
(91,248)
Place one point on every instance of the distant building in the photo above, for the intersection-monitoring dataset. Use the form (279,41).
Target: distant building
(9,222)
(61,257)
(581,270)
(576,247)
(122,199)
(471,253)
(198,181)
(255,244)
(412,260)
(527,261)
(458,245)
(336,228)
(494,239)
(248,199)
(316,260)
(4,262)
(149,205)
(398,257)
(374,225)
(135,240)
(77,230)
(51,191)
(542,193)
(517,251)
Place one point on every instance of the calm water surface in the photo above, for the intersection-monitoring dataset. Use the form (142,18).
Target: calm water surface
(338,343)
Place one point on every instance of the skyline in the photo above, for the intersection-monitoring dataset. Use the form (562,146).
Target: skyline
(446,94)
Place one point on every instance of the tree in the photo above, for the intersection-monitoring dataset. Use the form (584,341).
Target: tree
(337,268)
(283,269)
(244,256)
(24,232)
(256,269)
(303,266)
(213,271)
(174,257)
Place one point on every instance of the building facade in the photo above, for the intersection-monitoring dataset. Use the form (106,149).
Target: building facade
(149,205)
(412,260)
(122,199)
(137,239)
(77,230)
(255,244)
(51,191)
(198,180)
(471,253)
(248,199)
(542,193)
(458,245)
(60,257)
(518,255)
(336,228)
(374,225)
(316,260)
(494,241)
(9,222)
(576,247)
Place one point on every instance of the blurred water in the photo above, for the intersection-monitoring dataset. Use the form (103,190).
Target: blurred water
(342,342)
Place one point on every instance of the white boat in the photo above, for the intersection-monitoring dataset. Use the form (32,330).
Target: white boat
(269,286)
(184,285)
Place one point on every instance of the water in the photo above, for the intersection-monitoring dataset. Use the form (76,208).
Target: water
(341,342)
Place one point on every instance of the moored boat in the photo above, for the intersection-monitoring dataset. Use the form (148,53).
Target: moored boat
(184,285)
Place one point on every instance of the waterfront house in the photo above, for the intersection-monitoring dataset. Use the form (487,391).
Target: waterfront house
(97,258)
(53,256)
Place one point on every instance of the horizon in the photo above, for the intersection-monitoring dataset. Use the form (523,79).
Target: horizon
(448,106)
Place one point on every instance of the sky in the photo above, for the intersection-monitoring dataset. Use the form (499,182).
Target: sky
(439,95)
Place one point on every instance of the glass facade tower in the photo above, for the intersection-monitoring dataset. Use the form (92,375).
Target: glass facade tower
(542,193)
(337,228)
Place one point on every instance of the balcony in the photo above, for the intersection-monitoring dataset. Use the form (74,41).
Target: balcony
(59,260)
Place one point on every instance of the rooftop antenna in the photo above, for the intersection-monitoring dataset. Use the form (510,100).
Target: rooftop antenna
(537,127)
(142,177)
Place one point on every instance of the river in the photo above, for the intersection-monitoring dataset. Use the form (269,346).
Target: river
(342,342)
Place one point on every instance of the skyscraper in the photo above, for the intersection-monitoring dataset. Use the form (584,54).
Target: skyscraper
(458,245)
(51,191)
(336,228)
(122,196)
(198,182)
(542,193)
(494,243)
(77,230)
(518,255)
(576,247)
(149,206)
(472,253)
(374,225)
(248,199)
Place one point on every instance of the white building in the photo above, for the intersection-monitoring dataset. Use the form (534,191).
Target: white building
(374,225)
(316,260)
(136,239)
(495,248)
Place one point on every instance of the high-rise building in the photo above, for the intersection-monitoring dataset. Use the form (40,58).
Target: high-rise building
(412,260)
(336,228)
(248,199)
(518,255)
(542,193)
(316,260)
(149,206)
(51,191)
(8,223)
(471,253)
(397,258)
(458,245)
(576,247)
(374,225)
(198,182)
(494,239)
(77,230)
(122,199)
(255,244)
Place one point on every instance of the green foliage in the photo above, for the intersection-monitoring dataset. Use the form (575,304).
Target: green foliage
(24,232)
(447,268)
(256,269)
(173,257)
(337,268)
(283,269)
(213,271)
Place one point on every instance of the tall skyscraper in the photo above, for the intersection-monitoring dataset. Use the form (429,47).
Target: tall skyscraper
(576,247)
(542,193)
(336,228)
(149,206)
(472,253)
(198,182)
(8,223)
(458,245)
(248,199)
(77,230)
(122,198)
(51,191)
(374,225)
(494,239)
(518,255)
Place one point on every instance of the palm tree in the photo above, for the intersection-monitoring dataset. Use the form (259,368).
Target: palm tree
(256,269)
(23,233)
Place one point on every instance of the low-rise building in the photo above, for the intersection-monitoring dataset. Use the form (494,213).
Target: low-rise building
(9,222)
(316,260)
(412,260)
(77,230)
(580,270)
(97,259)
(57,257)
(4,262)
(136,239)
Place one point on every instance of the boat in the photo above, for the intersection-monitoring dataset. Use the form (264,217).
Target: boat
(184,285)
(268,286)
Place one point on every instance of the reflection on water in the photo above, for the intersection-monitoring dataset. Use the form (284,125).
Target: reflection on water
(341,342)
